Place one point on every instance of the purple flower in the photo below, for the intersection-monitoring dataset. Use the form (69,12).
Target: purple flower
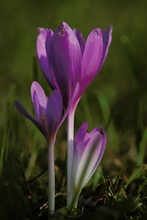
(48,111)
(88,151)
(67,60)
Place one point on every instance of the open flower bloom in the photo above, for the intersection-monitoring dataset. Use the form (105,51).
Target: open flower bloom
(67,60)
(48,111)
(88,152)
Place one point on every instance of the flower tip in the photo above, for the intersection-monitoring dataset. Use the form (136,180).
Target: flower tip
(104,137)
(62,28)
(64,24)
(101,130)
(97,32)
(40,30)
(19,107)
(34,85)
(37,89)
(86,124)
(109,30)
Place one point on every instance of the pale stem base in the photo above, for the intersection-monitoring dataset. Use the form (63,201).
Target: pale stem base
(70,142)
(51,179)
(75,199)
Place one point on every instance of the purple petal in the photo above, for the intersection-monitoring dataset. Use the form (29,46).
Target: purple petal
(80,135)
(39,100)
(24,112)
(92,55)
(91,59)
(91,157)
(54,112)
(80,39)
(79,147)
(107,37)
(101,132)
(64,59)
(42,55)
(100,51)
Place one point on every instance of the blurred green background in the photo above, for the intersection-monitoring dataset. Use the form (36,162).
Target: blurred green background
(116,99)
(121,83)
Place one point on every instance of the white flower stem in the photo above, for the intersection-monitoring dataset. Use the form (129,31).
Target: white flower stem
(70,142)
(51,178)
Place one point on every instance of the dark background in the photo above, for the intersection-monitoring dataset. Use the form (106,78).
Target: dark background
(116,99)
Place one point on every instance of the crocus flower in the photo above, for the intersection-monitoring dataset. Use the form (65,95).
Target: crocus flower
(88,152)
(48,119)
(66,59)
(69,64)
(48,111)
